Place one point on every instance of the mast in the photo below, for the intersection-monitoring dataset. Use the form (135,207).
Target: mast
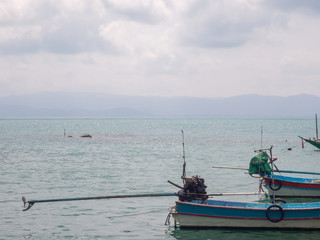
(317,127)
(184,160)
(261,137)
(272,167)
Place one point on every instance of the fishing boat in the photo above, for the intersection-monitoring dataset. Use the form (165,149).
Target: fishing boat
(280,185)
(229,214)
(275,183)
(313,141)
(197,211)
(284,186)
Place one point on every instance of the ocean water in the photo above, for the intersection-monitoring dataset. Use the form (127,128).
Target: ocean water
(47,158)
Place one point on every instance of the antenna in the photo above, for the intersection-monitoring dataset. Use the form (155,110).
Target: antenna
(317,127)
(261,136)
(184,160)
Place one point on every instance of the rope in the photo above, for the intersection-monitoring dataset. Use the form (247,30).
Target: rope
(167,222)
(289,148)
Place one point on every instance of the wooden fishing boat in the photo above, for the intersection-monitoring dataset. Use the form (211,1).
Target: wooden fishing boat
(228,214)
(195,210)
(279,185)
(314,141)
(284,186)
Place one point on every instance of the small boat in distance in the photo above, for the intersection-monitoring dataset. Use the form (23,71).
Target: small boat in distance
(314,141)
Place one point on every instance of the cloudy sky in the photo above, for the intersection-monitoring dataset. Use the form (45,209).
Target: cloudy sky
(202,48)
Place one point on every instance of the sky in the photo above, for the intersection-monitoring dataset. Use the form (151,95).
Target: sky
(198,48)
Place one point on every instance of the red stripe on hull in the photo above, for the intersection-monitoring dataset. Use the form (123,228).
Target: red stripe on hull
(247,218)
(294,184)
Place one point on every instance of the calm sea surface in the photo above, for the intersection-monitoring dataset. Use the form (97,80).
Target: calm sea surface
(134,156)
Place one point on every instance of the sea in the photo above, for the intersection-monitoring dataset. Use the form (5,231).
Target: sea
(48,159)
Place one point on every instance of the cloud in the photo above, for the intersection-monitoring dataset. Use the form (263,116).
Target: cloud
(160,47)
(72,26)
(220,24)
(146,12)
(294,5)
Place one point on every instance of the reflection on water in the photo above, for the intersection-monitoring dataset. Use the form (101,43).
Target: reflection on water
(231,234)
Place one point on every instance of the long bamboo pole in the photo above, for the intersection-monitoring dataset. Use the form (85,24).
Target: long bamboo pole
(280,171)
(236,168)
(32,202)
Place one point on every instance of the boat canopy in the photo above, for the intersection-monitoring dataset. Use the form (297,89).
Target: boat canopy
(259,164)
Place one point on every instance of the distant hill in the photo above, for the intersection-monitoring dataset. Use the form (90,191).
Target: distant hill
(73,105)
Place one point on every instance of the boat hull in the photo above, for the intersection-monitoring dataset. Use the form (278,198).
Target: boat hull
(292,187)
(193,221)
(315,143)
(225,214)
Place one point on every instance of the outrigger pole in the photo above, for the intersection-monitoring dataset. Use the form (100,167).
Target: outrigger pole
(32,202)
(277,170)
(280,171)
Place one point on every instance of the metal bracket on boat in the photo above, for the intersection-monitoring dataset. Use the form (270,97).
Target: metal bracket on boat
(30,204)
(264,149)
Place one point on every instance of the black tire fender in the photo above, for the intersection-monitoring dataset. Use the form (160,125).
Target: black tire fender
(274,220)
(275,188)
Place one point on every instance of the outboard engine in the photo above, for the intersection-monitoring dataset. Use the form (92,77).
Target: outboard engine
(193,189)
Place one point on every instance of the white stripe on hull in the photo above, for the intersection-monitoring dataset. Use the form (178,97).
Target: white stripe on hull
(213,222)
(294,192)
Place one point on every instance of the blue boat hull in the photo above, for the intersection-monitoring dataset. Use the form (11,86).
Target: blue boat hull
(292,186)
(225,214)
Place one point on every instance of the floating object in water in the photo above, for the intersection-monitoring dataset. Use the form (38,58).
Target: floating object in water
(86,136)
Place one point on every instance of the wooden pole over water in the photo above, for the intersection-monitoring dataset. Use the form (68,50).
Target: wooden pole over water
(277,170)
(32,202)
(317,127)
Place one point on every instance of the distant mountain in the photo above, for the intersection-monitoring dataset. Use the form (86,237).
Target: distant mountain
(59,104)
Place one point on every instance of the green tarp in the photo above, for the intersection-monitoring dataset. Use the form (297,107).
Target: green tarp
(259,164)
